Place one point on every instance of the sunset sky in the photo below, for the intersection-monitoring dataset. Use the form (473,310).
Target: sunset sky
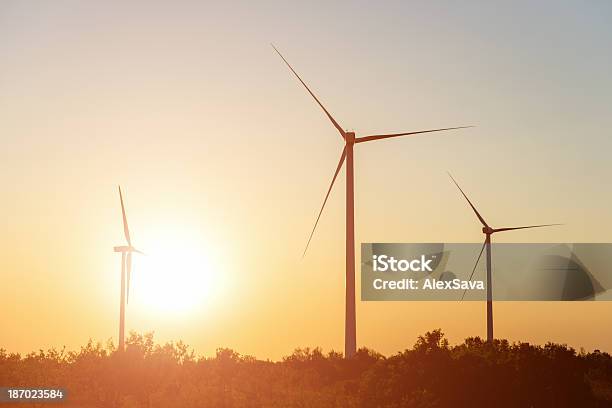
(225,159)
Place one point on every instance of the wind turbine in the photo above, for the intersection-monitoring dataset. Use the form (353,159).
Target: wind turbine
(489,231)
(350,341)
(126,263)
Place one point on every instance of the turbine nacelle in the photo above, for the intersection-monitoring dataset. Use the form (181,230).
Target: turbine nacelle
(349,137)
(487,230)
(126,249)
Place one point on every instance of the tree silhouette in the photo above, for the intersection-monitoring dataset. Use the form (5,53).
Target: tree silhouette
(430,374)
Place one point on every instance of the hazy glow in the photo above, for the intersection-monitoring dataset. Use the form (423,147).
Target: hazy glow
(225,159)
(177,275)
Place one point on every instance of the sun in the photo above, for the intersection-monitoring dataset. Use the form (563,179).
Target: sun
(178,274)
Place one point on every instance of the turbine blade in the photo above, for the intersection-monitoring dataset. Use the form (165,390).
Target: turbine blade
(129,273)
(484,223)
(138,251)
(378,137)
(126,230)
(526,227)
(475,265)
(311,93)
(342,157)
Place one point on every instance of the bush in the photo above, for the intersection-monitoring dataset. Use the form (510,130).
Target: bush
(430,374)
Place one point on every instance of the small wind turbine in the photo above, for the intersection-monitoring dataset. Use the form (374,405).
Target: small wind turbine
(350,341)
(126,263)
(489,231)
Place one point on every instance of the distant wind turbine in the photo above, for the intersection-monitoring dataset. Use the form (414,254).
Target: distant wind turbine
(126,263)
(350,341)
(488,231)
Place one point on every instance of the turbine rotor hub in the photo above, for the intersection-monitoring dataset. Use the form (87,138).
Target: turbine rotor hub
(487,230)
(349,137)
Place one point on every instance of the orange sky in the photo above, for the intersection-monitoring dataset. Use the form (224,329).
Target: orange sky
(225,160)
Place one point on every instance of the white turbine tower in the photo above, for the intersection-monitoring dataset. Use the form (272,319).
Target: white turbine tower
(126,263)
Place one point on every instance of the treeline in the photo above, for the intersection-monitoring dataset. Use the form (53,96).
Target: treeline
(430,374)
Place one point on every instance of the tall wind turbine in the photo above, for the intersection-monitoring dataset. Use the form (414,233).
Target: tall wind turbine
(350,341)
(126,263)
(488,232)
